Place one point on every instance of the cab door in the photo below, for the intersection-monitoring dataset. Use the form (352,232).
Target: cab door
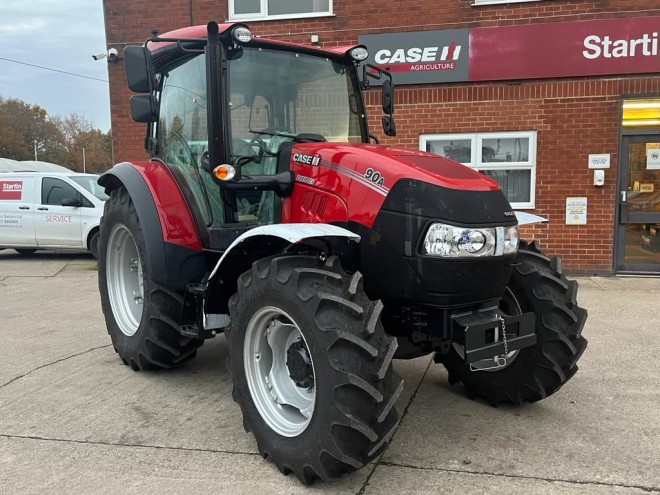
(57,216)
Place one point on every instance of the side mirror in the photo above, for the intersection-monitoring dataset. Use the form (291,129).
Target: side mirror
(71,202)
(144,108)
(388,97)
(388,125)
(136,64)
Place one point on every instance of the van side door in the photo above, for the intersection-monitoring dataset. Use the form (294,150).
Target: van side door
(17,211)
(57,217)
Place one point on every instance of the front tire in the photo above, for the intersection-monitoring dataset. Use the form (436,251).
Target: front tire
(311,366)
(141,315)
(537,285)
(94,245)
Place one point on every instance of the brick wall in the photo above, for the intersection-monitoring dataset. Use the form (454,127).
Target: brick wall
(573,117)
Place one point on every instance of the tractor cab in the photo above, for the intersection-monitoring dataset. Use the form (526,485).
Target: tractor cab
(223,109)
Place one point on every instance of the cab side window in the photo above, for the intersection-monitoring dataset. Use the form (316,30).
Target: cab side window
(53,191)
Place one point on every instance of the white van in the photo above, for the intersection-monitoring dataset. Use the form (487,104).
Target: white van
(50,210)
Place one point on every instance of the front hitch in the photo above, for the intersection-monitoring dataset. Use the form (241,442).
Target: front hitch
(487,334)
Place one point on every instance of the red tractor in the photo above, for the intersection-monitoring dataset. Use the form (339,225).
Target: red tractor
(267,212)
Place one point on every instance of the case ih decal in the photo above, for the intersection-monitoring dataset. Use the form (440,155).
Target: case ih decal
(306,159)
(11,189)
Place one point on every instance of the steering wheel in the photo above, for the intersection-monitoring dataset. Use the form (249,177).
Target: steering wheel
(258,148)
(270,149)
(178,150)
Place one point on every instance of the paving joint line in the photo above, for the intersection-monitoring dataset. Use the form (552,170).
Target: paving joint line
(405,413)
(51,364)
(126,445)
(650,489)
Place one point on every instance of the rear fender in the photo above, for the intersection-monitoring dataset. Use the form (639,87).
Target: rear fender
(174,254)
(268,240)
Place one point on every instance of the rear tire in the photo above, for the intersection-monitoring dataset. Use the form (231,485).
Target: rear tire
(141,315)
(539,286)
(347,415)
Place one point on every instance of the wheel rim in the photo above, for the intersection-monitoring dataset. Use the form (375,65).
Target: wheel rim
(284,405)
(125,280)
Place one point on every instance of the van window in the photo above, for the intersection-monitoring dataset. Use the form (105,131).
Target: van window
(53,191)
(89,183)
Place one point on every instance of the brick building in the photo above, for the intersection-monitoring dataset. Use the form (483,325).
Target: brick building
(548,97)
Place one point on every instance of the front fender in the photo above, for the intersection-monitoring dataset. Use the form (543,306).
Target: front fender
(525,218)
(261,242)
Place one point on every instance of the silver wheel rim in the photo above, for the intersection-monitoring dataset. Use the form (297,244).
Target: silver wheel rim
(125,280)
(284,406)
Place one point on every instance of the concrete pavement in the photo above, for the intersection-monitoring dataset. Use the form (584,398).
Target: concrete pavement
(74,419)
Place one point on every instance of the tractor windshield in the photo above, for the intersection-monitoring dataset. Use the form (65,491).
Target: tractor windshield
(276,96)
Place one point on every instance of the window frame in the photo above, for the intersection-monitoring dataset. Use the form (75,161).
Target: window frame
(476,163)
(263,15)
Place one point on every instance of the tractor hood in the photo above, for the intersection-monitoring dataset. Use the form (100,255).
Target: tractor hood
(389,164)
(369,178)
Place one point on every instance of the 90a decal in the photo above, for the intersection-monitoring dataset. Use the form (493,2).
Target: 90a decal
(374,176)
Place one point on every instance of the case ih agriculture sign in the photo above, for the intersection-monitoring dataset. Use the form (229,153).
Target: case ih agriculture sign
(421,57)
(536,51)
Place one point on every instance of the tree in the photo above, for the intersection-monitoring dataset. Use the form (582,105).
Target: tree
(24,127)
(11,141)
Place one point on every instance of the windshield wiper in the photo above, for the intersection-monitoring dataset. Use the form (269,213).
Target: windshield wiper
(302,137)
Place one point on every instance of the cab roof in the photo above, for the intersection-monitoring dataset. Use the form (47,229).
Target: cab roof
(200,32)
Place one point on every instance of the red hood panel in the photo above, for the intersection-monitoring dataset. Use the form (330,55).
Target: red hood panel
(397,163)
(361,175)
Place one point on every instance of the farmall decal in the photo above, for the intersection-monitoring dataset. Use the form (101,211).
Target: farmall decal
(11,189)
(421,56)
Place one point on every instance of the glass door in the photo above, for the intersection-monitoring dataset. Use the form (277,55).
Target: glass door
(638,226)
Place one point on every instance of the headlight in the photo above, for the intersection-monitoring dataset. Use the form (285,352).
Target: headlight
(242,34)
(359,53)
(463,242)
(511,240)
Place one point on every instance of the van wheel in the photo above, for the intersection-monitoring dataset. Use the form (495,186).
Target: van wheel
(142,316)
(26,252)
(94,244)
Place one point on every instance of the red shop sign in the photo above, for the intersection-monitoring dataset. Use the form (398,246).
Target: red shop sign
(564,49)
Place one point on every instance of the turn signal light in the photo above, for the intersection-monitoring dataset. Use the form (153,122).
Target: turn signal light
(224,172)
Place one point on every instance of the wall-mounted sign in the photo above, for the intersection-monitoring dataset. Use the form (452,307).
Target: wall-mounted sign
(653,159)
(601,160)
(576,211)
(530,51)
(421,56)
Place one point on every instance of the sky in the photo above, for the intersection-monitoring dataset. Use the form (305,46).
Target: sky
(61,35)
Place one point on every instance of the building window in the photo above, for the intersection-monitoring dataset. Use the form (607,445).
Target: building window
(278,9)
(476,3)
(509,158)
